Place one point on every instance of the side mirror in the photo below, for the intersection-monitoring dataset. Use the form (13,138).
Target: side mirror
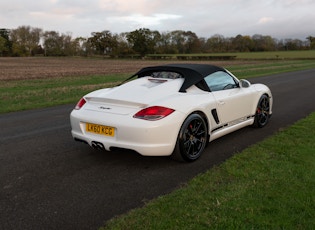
(244,83)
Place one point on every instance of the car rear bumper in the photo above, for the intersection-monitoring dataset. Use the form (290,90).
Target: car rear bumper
(148,138)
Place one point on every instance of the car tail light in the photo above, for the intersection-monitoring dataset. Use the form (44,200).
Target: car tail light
(153,113)
(80,104)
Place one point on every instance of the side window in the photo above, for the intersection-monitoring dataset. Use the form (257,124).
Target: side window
(220,81)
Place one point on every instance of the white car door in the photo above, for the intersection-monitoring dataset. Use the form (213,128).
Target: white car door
(233,102)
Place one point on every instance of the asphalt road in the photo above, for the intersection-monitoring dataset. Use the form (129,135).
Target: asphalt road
(48,181)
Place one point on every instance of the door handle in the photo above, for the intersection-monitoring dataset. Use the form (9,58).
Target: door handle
(221,102)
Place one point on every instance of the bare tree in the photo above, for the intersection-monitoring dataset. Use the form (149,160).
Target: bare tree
(25,39)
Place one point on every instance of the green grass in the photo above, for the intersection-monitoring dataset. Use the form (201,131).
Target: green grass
(267,55)
(262,68)
(305,54)
(16,95)
(29,94)
(270,185)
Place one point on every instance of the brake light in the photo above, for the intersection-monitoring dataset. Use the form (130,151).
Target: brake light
(153,113)
(80,104)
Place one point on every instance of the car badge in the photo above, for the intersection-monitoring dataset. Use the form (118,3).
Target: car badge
(102,107)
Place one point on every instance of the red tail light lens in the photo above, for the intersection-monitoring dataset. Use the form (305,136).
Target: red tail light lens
(80,104)
(153,113)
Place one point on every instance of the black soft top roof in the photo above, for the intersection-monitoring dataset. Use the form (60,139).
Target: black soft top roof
(192,73)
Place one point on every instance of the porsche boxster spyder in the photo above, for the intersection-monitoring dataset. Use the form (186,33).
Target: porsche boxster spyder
(170,110)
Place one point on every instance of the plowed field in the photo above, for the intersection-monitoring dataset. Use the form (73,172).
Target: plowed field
(44,67)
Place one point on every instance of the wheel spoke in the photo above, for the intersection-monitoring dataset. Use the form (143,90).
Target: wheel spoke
(197,127)
(188,147)
(193,151)
(262,118)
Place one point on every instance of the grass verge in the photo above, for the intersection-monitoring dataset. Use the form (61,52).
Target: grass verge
(268,68)
(30,94)
(265,55)
(270,185)
(18,95)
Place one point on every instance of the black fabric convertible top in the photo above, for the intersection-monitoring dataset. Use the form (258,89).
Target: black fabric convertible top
(192,73)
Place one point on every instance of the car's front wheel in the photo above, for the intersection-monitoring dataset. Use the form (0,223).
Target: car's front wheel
(262,112)
(192,139)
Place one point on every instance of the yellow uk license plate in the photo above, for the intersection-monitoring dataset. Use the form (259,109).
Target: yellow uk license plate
(100,129)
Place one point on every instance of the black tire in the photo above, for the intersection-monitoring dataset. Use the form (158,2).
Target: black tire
(262,112)
(191,140)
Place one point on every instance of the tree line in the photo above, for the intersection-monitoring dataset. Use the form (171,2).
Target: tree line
(32,41)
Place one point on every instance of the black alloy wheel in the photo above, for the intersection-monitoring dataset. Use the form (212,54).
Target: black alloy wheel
(262,112)
(192,139)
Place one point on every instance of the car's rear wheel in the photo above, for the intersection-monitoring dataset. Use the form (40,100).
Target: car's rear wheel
(262,112)
(191,140)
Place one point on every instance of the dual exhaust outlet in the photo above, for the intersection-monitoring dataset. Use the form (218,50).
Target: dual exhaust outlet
(97,145)
(94,144)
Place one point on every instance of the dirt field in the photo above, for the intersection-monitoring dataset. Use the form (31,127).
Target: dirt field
(44,67)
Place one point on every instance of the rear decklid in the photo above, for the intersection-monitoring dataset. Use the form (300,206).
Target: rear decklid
(132,96)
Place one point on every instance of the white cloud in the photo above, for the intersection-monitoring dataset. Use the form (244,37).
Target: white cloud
(136,21)
(204,17)
(143,21)
(265,20)
(143,7)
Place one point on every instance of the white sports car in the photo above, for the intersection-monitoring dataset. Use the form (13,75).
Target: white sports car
(170,110)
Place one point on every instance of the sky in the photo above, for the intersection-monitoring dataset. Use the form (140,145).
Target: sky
(294,19)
